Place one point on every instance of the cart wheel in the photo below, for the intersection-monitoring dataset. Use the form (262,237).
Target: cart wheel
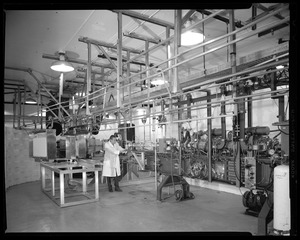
(178,195)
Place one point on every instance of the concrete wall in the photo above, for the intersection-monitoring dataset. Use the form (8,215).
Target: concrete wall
(19,167)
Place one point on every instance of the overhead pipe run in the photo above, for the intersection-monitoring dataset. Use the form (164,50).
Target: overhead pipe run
(211,50)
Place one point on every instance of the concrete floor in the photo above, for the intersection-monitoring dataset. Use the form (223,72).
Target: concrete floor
(133,210)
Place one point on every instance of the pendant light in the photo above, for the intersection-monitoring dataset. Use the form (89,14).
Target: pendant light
(191,37)
(160,79)
(30,100)
(61,65)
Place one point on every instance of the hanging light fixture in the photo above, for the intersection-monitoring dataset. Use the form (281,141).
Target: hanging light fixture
(30,100)
(191,37)
(61,65)
(160,79)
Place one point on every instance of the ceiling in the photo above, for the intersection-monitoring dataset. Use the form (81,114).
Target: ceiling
(30,35)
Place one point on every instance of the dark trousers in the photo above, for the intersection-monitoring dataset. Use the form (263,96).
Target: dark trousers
(116,181)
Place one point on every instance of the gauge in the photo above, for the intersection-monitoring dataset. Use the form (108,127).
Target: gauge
(271,151)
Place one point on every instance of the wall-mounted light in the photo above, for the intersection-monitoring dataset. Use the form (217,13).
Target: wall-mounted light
(159,79)
(191,37)
(61,65)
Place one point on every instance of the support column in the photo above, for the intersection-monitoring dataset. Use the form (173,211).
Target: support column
(128,75)
(88,79)
(236,110)
(177,36)
(209,137)
(168,51)
(119,66)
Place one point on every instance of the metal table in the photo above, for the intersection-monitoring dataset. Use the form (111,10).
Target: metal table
(67,168)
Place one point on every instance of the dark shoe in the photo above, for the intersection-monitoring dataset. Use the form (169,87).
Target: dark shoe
(110,189)
(117,189)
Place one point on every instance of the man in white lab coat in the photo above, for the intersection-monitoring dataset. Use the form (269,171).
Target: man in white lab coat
(111,163)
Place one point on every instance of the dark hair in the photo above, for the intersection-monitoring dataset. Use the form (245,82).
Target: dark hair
(111,137)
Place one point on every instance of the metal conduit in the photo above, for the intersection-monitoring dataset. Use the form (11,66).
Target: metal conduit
(263,28)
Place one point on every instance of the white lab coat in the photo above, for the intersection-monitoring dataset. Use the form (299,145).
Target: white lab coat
(111,163)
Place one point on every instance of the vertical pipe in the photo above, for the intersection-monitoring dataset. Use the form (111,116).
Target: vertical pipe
(119,65)
(14,109)
(209,136)
(61,79)
(88,79)
(177,34)
(168,52)
(37,107)
(147,66)
(204,67)
(128,75)
(40,106)
(223,112)
(233,70)
(20,107)
(24,99)
(155,160)
(281,109)
(41,113)
(189,110)
(249,111)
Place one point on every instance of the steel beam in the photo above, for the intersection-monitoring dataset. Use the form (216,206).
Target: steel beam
(101,49)
(145,18)
(124,60)
(141,37)
(238,24)
(78,61)
(108,45)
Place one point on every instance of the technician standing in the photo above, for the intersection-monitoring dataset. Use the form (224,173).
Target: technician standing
(111,163)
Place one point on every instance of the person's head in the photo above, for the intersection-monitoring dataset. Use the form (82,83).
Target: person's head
(112,139)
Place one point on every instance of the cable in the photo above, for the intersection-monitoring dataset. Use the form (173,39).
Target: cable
(282,131)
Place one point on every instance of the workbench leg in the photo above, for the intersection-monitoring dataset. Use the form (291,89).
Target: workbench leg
(43,177)
(71,174)
(62,188)
(84,182)
(96,185)
(53,183)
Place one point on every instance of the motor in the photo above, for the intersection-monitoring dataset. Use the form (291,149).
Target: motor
(184,193)
(254,201)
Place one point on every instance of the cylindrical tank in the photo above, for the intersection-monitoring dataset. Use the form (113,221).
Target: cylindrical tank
(258,130)
(282,215)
